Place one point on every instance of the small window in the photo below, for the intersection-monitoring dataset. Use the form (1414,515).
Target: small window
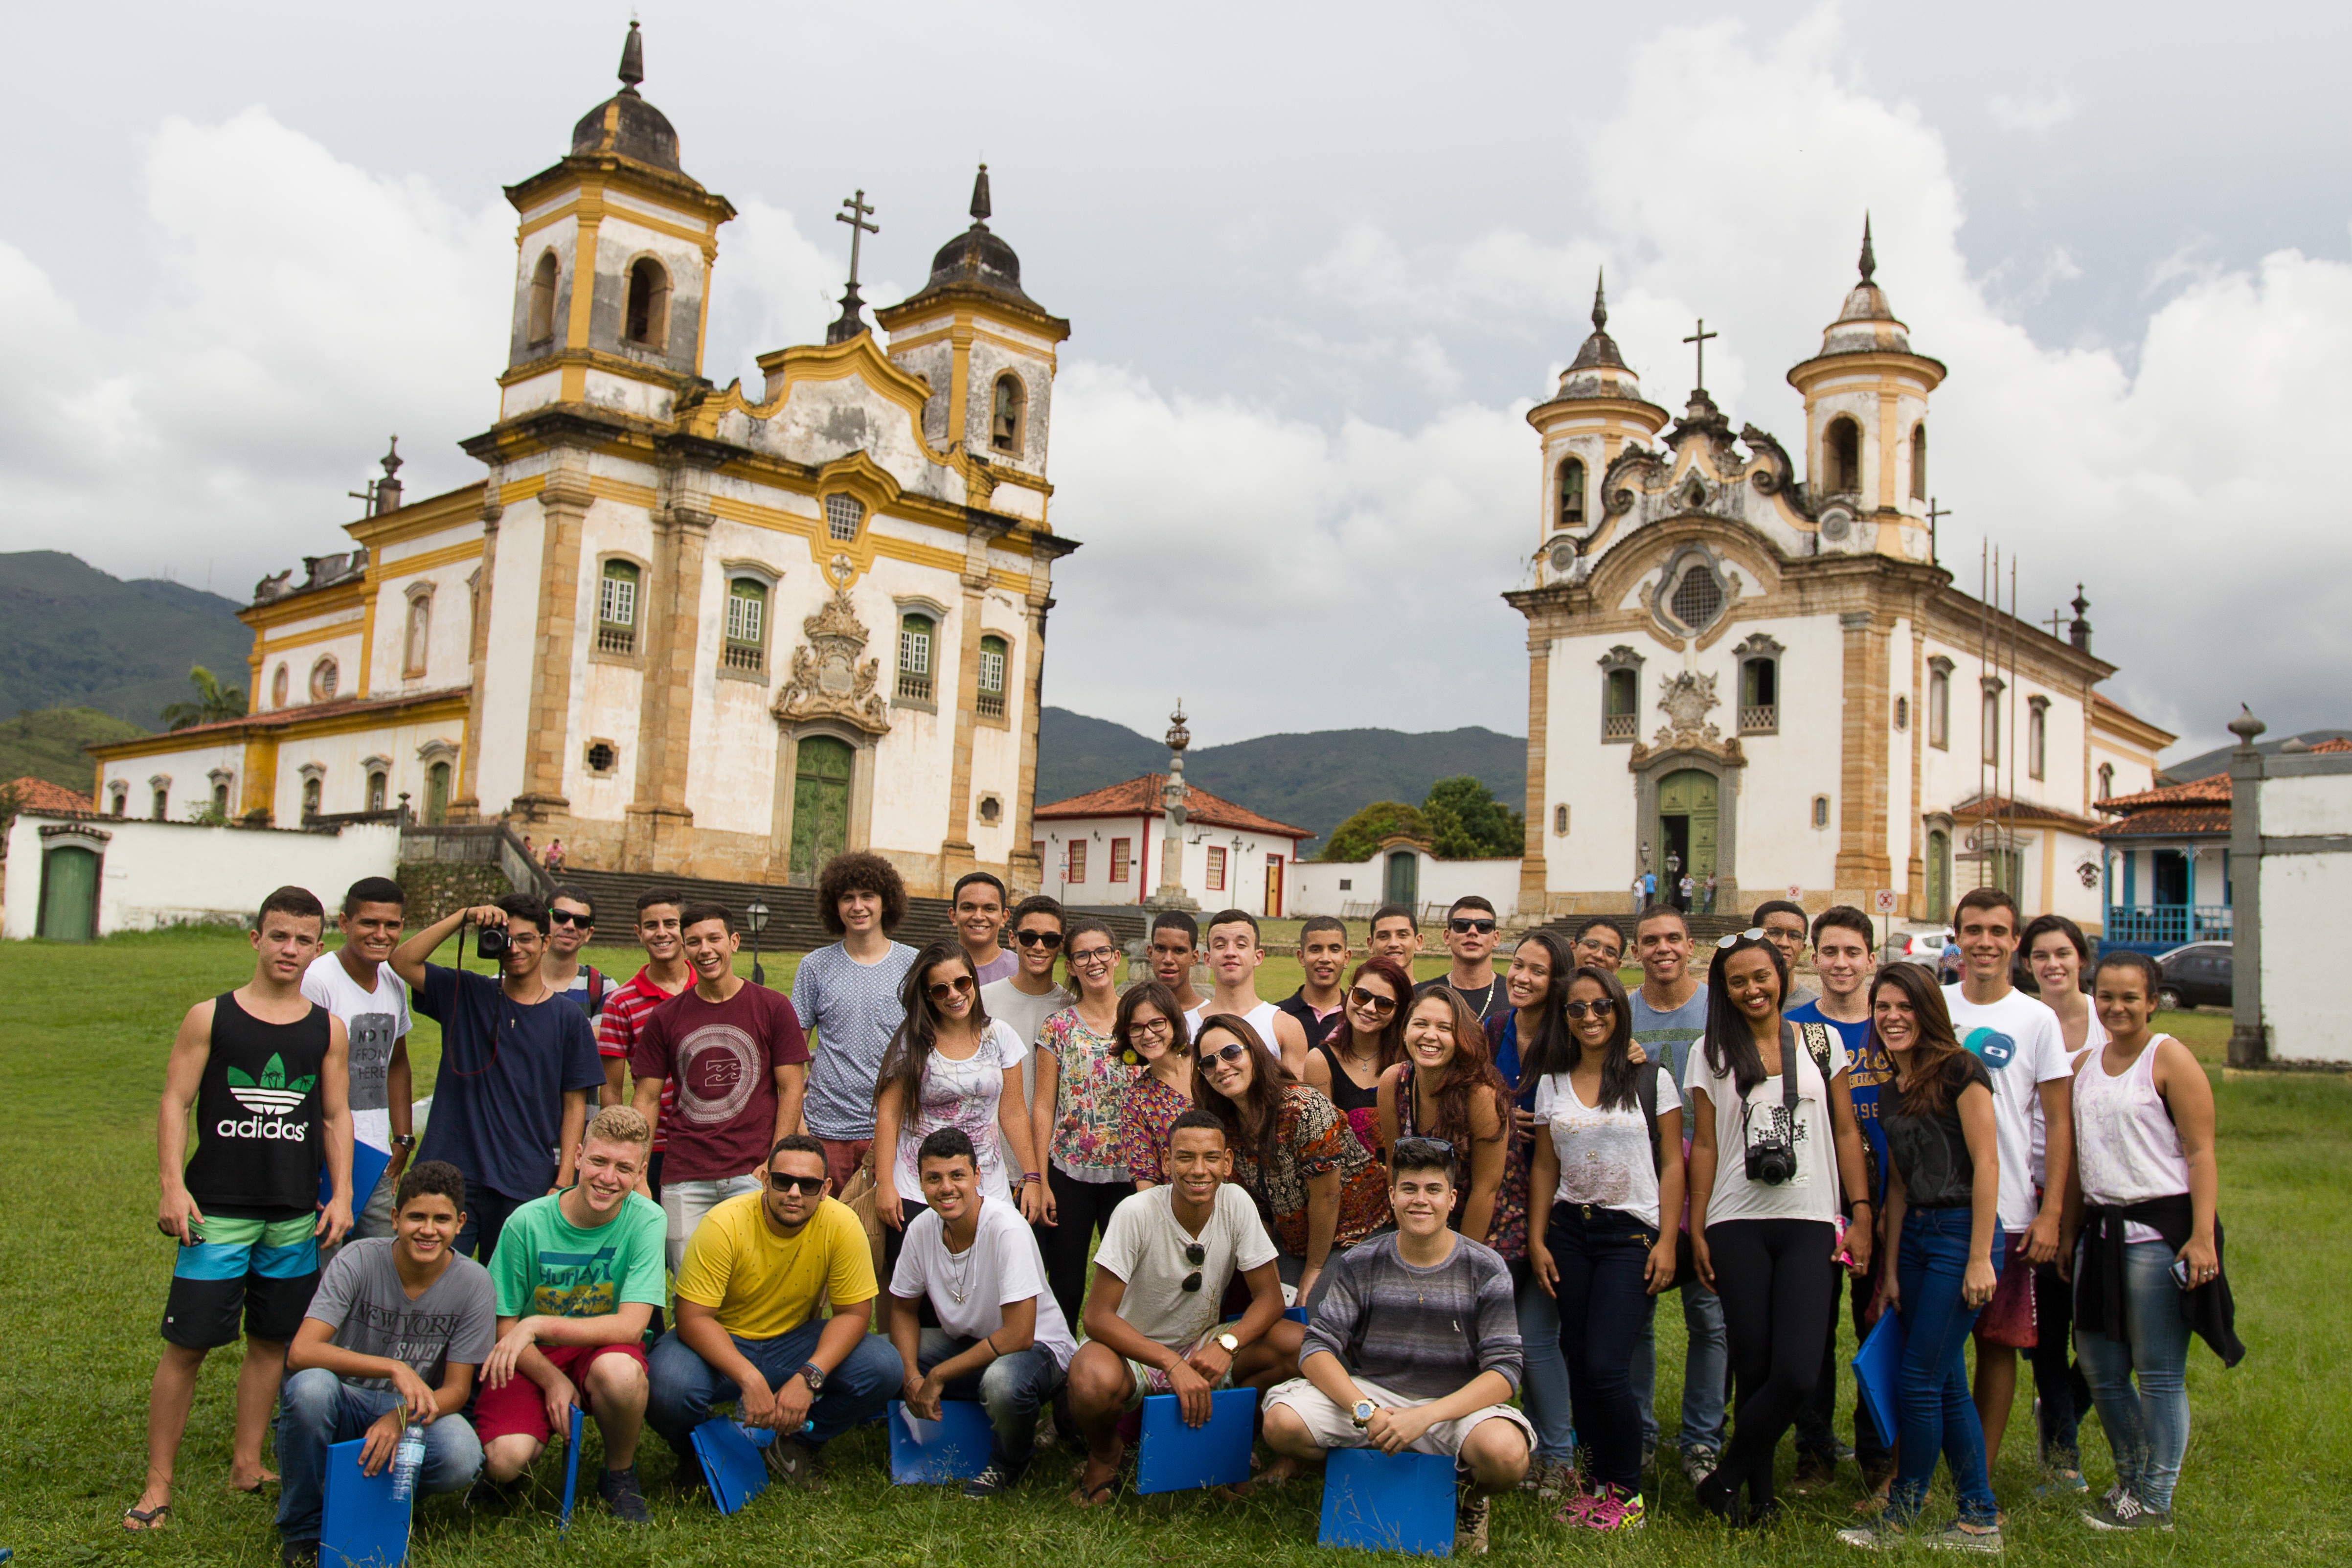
(122,803)
(543,276)
(616,608)
(1820,810)
(312,788)
(2107,782)
(323,675)
(992,811)
(1572,492)
(1560,819)
(1920,461)
(1903,712)
(990,704)
(602,758)
(1697,599)
(843,515)
(1216,869)
(1841,457)
(1346,884)
(436,794)
(161,801)
(281,685)
(1077,861)
(1991,721)
(220,799)
(1940,706)
(1759,696)
(1009,406)
(2037,737)
(420,633)
(747,621)
(379,791)
(1620,704)
(648,323)
(916,635)
(1121,849)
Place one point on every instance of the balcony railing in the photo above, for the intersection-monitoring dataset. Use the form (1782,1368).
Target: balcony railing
(991,705)
(913,686)
(1760,718)
(611,638)
(2159,926)
(747,656)
(1618,726)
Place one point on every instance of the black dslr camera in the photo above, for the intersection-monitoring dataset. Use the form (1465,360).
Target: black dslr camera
(490,941)
(1771,1157)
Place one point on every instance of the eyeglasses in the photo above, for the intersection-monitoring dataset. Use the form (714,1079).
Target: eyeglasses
(1461,925)
(960,986)
(1093,957)
(567,918)
(806,1185)
(1197,1255)
(1600,1008)
(1384,1006)
(1753,933)
(1048,940)
(1234,1051)
(1148,1026)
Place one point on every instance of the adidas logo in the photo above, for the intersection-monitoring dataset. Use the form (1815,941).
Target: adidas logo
(272,1095)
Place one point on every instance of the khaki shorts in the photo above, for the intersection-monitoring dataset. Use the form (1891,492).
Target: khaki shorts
(1150,1380)
(1333,1427)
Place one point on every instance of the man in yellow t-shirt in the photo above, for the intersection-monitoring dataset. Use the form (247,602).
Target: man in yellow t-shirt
(748,1330)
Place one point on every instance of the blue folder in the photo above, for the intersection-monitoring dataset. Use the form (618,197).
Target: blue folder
(570,1472)
(1878,1373)
(367,1169)
(1174,1458)
(955,1447)
(730,1464)
(361,1525)
(1388,1502)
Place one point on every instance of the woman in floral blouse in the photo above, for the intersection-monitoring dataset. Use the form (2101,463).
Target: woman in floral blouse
(1151,1032)
(1081,1085)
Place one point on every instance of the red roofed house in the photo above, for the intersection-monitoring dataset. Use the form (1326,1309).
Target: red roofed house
(1102,848)
(2167,854)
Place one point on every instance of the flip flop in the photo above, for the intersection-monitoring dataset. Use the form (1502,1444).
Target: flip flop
(147,1518)
(1098,1495)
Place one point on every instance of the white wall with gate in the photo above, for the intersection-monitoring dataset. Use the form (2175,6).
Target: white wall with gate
(102,875)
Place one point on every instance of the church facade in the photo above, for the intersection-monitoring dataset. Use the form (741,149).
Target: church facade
(722,632)
(1753,669)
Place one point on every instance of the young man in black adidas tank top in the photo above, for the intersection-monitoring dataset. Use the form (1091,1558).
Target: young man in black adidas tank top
(267,1072)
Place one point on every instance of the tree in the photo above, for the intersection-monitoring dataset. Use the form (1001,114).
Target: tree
(214,701)
(1468,822)
(1360,837)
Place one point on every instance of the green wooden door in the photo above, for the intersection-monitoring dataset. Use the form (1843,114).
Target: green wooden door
(68,893)
(1691,796)
(820,805)
(1939,874)
(1405,878)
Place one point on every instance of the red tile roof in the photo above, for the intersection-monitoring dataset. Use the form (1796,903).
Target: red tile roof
(41,794)
(2022,810)
(2170,822)
(278,718)
(2337,745)
(2212,789)
(1140,797)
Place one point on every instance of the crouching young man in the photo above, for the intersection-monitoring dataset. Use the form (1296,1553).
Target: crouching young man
(392,1336)
(578,1274)
(1415,1347)
(1153,1319)
(756,1269)
(1001,1338)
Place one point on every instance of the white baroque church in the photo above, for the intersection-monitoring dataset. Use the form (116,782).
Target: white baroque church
(1750,667)
(722,632)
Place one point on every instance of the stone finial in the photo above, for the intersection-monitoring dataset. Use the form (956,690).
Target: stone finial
(2078,630)
(980,207)
(393,459)
(2246,727)
(1177,737)
(1869,256)
(1600,300)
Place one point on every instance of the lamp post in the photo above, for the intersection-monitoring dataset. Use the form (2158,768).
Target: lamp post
(755,915)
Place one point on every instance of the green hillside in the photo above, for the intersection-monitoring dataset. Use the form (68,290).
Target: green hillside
(1315,781)
(72,636)
(47,744)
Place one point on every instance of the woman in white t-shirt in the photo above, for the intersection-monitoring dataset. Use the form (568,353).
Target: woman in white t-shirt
(2055,952)
(1776,1170)
(1604,1206)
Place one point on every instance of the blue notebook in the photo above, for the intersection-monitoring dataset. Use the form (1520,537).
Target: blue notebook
(1878,1373)
(367,1169)
(1388,1502)
(730,1464)
(955,1447)
(1174,1458)
(361,1525)
(571,1471)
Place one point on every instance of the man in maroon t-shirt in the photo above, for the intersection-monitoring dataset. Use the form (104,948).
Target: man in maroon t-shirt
(734,1058)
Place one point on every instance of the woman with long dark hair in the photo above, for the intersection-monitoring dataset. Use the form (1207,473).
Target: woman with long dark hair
(1942,1200)
(1447,1088)
(2057,955)
(1346,1065)
(1150,1035)
(1081,1084)
(1776,1171)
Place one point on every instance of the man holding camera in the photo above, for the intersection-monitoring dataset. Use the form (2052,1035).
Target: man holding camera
(517,1064)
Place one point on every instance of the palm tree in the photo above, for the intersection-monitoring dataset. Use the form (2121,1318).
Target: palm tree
(214,701)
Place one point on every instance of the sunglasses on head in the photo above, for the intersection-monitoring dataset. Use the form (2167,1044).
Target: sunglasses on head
(1462,923)
(1048,940)
(1197,1255)
(566,918)
(1378,1004)
(1600,1008)
(809,1185)
(960,986)
(1753,933)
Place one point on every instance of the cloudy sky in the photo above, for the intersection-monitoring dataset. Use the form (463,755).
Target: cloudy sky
(1319,260)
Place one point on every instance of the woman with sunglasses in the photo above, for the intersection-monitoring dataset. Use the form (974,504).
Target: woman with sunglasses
(1315,1186)
(1776,1171)
(1150,1034)
(1607,1173)
(1447,1088)
(1081,1085)
(950,1065)
(1943,1198)
(1345,1065)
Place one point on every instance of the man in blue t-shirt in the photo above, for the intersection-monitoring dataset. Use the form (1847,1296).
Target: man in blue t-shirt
(1842,937)
(517,1064)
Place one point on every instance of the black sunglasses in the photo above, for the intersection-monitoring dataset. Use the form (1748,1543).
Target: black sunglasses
(566,918)
(1049,940)
(1459,924)
(779,1182)
(1197,1255)
(1384,1006)
(1600,1008)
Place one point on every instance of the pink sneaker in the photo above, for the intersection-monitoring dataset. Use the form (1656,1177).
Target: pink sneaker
(1574,1511)
(1611,1511)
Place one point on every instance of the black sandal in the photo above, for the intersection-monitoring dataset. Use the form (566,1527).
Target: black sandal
(148,1518)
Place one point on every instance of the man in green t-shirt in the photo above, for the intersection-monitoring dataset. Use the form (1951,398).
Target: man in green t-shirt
(578,1274)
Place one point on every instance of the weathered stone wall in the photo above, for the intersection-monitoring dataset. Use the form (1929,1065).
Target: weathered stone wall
(436,889)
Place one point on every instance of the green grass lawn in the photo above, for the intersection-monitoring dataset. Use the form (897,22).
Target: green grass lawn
(83,1035)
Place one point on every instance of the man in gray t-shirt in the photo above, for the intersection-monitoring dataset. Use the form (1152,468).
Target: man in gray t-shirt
(392,1336)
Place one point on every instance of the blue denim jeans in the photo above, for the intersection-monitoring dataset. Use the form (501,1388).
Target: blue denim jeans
(1601,1255)
(315,1408)
(1543,1387)
(684,1386)
(1707,1369)
(1936,1412)
(1012,1389)
(2148,1430)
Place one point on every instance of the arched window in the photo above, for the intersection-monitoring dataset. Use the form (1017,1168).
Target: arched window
(121,798)
(1560,819)
(1010,406)
(648,320)
(1991,719)
(1821,812)
(745,648)
(616,608)
(2107,782)
(916,635)
(540,327)
(280,685)
(1620,693)
(1841,457)
(1903,712)
(990,704)
(379,788)
(312,789)
(323,675)
(1920,461)
(160,802)
(843,514)
(1940,703)
(436,794)
(1572,492)
(2037,737)
(420,632)
(1939,873)
(1759,684)
(220,798)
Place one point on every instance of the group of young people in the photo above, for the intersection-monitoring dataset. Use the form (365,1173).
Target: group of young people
(1476,1186)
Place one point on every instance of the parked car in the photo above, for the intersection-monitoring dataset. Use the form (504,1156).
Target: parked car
(1916,947)
(2197,976)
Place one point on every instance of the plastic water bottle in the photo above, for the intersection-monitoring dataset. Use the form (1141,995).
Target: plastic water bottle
(407,1460)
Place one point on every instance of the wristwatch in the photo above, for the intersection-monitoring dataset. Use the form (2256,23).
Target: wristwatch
(1363,1413)
(1231,1346)
(813,1376)
(403,1140)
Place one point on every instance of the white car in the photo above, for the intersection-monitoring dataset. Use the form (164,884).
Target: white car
(1916,947)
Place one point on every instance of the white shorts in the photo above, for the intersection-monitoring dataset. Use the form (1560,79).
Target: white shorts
(1333,1427)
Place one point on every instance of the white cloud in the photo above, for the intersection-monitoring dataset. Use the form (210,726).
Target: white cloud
(2034,116)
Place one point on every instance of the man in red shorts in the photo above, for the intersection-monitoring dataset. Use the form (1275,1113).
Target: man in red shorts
(578,1274)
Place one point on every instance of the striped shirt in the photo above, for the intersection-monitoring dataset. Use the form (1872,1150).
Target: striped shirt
(852,1008)
(1421,1332)
(626,1009)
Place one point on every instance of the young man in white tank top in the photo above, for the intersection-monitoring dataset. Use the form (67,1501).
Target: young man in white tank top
(1234,954)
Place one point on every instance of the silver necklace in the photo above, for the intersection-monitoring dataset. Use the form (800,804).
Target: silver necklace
(958,1266)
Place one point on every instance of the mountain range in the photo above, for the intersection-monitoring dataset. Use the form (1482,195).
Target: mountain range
(71,635)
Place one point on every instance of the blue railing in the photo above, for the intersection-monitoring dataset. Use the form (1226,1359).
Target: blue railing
(2154,928)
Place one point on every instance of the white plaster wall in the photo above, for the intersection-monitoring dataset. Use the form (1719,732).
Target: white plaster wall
(514,616)
(161,873)
(2303,900)
(2300,807)
(1778,846)
(1902,809)
(820,421)
(1317,889)
(1588,777)
(189,769)
(448,638)
(1246,867)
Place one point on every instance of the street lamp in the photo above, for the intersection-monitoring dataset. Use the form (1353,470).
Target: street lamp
(755,915)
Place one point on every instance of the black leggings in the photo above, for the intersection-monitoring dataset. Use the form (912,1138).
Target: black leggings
(1776,1302)
(1080,1207)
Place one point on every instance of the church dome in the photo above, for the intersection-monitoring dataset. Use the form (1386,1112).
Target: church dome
(625,124)
(1867,323)
(1598,370)
(978,257)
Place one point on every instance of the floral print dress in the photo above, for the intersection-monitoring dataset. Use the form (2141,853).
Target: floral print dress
(1092,1089)
(1312,1138)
